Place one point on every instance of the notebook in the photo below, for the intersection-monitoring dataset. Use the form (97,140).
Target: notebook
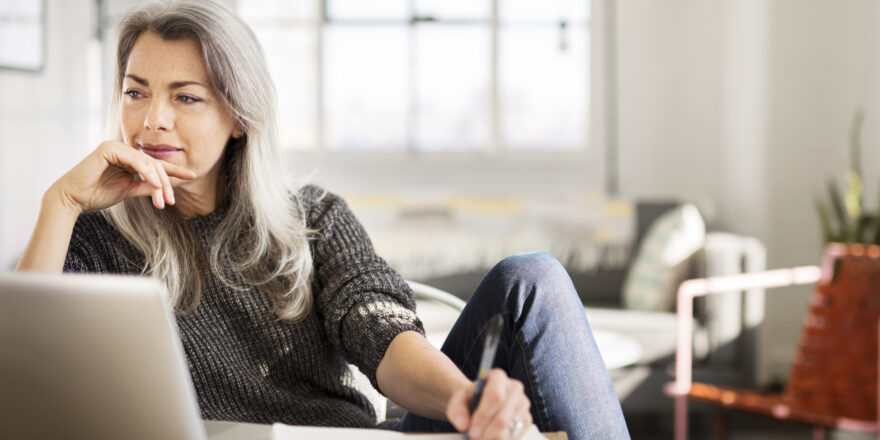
(92,357)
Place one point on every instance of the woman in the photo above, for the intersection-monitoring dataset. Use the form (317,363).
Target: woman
(277,287)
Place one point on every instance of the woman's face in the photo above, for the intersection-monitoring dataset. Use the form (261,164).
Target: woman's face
(170,110)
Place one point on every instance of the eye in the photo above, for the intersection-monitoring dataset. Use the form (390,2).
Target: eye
(133,94)
(186,99)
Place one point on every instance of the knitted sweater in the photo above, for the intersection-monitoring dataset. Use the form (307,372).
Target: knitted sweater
(247,366)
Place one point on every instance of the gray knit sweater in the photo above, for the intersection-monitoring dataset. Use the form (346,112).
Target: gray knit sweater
(247,367)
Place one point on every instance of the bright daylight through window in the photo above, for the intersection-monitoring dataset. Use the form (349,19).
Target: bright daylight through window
(428,75)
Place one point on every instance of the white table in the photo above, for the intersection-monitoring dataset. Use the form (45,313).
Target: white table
(237,431)
(617,349)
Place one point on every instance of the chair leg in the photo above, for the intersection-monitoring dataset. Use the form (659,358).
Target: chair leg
(719,426)
(681,418)
(818,433)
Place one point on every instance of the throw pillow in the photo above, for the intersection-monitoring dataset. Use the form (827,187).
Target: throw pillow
(663,260)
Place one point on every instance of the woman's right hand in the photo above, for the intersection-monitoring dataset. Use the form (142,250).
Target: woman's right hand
(112,173)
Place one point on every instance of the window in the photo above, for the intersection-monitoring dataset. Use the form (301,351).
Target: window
(22,34)
(428,75)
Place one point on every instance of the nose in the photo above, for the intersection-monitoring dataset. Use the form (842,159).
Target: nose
(160,116)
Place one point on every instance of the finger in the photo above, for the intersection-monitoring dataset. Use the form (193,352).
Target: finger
(499,427)
(177,171)
(167,190)
(524,413)
(492,400)
(133,161)
(140,189)
(144,166)
(457,409)
(158,198)
(158,194)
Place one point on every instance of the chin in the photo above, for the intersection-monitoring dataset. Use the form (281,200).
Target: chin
(180,183)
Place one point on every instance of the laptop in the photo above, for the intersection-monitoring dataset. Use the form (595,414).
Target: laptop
(92,357)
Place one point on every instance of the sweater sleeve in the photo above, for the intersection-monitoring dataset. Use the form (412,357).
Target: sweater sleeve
(96,247)
(82,255)
(364,303)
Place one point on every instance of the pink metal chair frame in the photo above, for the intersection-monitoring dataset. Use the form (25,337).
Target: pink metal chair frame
(741,282)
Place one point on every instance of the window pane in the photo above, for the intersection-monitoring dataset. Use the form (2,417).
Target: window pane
(21,45)
(21,34)
(573,11)
(368,10)
(454,9)
(21,10)
(544,97)
(453,87)
(365,87)
(290,55)
(306,10)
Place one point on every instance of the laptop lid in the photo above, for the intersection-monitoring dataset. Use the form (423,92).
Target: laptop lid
(92,357)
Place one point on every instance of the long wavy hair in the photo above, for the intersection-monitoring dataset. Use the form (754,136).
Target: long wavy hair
(263,237)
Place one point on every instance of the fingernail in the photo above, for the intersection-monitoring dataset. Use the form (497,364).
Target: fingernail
(171,198)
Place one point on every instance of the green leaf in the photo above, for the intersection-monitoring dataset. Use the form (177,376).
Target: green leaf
(825,220)
(853,197)
(876,239)
(839,211)
(877,230)
(863,223)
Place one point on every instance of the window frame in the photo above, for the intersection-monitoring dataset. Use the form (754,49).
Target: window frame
(317,26)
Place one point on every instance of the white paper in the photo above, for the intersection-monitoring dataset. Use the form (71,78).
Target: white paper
(281,431)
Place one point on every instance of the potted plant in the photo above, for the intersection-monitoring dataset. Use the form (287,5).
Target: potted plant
(844,218)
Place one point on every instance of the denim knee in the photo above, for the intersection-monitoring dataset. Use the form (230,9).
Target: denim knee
(533,273)
(527,266)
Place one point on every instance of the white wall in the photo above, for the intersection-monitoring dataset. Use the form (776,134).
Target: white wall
(871,136)
(742,166)
(47,122)
(669,91)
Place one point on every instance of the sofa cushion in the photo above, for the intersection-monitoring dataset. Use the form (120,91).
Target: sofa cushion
(663,260)
(654,332)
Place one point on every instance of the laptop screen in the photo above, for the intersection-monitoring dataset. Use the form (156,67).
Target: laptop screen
(92,356)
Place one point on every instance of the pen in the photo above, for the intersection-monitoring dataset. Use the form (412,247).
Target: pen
(493,337)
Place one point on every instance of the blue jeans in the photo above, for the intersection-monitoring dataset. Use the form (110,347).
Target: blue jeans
(546,344)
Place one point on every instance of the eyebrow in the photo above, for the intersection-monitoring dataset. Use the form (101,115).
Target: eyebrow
(174,85)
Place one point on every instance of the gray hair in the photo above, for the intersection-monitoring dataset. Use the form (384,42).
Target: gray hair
(263,237)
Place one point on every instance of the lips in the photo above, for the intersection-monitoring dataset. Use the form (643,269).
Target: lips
(160,151)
